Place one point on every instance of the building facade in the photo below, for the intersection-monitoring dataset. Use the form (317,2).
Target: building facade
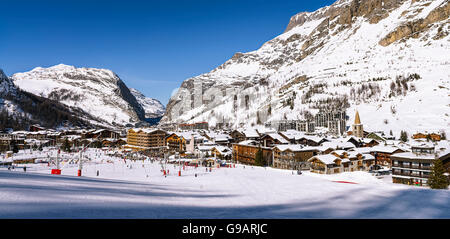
(142,139)
(414,168)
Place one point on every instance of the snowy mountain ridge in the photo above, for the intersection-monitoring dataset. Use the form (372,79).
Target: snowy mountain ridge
(388,59)
(20,109)
(99,92)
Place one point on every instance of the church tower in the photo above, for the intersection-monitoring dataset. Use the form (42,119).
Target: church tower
(357,127)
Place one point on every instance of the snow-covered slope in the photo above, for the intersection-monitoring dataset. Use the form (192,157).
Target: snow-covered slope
(152,107)
(99,92)
(389,59)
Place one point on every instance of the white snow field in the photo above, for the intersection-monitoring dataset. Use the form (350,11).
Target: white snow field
(124,191)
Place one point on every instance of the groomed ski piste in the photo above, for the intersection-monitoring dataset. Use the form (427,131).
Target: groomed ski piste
(126,189)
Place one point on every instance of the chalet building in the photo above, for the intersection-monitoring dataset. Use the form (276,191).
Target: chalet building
(221,152)
(356,161)
(292,156)
(245,152)
(181,142)
(432,136)
(362,142)
(36,135)
(111,142)
(36,127)
(414,168)
(325,164)
(289,136)
(237,136)
(312,140)
(341,161)
(376,136)
(338,144)
(271,139)
(218,138)
(251,134)
(176,143)
(142,139)
(383,154)
(204,150)
(101,134)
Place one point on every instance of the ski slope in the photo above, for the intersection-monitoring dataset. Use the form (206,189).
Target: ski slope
(139,190)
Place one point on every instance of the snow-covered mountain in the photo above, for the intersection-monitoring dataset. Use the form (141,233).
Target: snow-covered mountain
(99,92)
(388,59)
(20,109)
(152,107)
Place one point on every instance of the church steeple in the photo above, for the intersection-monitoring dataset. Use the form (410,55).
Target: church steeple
(357,127)
(357,120)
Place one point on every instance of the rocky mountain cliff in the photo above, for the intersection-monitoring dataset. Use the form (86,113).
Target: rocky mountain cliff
(153,108)
(387,58)
(98,92)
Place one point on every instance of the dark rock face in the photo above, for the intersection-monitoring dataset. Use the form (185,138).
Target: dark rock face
(125,93)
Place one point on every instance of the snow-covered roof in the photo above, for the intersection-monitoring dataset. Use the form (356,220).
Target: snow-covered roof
(223,150)
(362,150)
(205,147)
(325,158)
(312,138)
(278,137)
(250,133)
(411,155)
(384,149)
(292,147)
(248,142)
(368,157)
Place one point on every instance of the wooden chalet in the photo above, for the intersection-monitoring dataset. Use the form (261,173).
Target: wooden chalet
(292,156)
(245,152)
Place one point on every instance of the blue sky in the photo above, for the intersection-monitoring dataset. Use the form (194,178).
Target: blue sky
(152,45)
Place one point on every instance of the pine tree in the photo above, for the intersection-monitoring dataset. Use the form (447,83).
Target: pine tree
(259,160)
(66,146)
(437,178)
(15,149)
(443,136)
(403,136)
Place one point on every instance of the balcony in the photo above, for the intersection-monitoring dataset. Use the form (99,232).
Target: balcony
(318,168)
(411,174)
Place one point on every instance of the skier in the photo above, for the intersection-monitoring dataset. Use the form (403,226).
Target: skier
(25,168)
(195,175)
(97,172)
